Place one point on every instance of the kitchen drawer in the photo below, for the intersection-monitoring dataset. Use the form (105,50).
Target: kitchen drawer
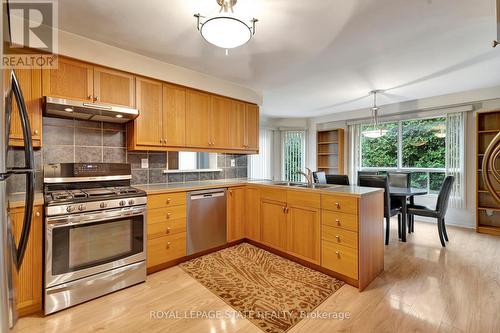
(340,259)
(340,236)
(339,220)
(303,199)
(273,194)
(166,228)
(166,200)
(166,248)
(341,204)
(164,214)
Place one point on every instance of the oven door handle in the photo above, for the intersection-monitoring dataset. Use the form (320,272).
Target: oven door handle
(53,224)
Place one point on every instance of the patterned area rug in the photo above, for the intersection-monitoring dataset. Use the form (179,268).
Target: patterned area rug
(272,292)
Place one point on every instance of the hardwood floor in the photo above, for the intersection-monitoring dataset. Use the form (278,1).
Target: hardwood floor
(424,288)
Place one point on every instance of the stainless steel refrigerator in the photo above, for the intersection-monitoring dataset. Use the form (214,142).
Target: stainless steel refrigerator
(11,255)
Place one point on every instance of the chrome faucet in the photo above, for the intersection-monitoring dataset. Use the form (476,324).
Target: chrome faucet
(308,176)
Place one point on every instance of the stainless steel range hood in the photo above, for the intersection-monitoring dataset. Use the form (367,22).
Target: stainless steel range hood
(65,108)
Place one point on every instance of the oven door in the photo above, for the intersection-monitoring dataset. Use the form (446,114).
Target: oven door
(81,245)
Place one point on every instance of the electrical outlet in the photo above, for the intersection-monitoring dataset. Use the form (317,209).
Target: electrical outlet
(233,162)
(144,163)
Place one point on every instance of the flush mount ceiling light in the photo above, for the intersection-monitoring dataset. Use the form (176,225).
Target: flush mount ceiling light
(225,30)
(376,132)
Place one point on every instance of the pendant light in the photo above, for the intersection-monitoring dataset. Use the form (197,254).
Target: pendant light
(225,30)
(376,132)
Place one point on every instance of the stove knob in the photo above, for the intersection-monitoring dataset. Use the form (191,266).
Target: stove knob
(103,205)
(81,207)
(123,203)
(131,202)
(70,209)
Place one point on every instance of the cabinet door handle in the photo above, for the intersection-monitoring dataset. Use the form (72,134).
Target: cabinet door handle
(35,132)
(91,97)
(96,98)
(284,209)
(168,245)
(37,214)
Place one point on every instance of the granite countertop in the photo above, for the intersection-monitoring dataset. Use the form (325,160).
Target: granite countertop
(17,200)
(193,186)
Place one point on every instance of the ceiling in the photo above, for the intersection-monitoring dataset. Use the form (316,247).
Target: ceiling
(313,57)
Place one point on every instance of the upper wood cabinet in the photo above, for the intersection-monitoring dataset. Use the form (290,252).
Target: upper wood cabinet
(220,114)
(30,82)
(81,81)
(198,118)
(235,214)
(29,279)
(112,87)
(237,128)
(71,79)
(252,127)
(147,128)
(174,115)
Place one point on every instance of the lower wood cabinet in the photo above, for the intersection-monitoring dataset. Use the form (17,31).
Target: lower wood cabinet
(166,228)
(252,213)
(235,214)
(340,259)
(29,278)
(290,225)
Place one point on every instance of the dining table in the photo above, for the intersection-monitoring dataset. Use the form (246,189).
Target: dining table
(403,194)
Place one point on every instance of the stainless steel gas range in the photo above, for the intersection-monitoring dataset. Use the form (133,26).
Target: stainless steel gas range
(95,232)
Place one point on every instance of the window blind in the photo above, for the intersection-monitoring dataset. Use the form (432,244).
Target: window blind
(294,144)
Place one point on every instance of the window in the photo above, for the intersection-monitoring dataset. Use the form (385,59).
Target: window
(294,143)
(416,145)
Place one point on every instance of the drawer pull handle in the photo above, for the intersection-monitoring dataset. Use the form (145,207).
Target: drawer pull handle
(168,245)
(168,215)
(337,205)
(37,214)
(338,222)
(168,231)
(338,238)
(337,253)
(168,201)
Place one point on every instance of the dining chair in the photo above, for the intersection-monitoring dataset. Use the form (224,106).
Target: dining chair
(402,179)
(319,177)
(399,179)
(337,179)
(367,173)
(391,208)
(440,211)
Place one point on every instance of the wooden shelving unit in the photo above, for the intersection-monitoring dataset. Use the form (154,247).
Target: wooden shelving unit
(487,209)
(330,152)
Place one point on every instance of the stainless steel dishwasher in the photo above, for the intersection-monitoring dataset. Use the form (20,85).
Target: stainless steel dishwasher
(206,222)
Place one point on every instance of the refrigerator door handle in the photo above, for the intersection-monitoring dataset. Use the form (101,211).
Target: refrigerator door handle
(28,170)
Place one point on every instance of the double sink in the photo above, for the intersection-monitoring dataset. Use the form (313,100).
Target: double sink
(305,185)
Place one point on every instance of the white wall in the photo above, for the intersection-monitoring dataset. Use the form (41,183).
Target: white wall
(85,49)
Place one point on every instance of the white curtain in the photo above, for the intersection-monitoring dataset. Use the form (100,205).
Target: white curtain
(260,166)
(455,156)
(354,155)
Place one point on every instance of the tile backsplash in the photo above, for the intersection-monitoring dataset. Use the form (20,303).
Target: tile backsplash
(68,140)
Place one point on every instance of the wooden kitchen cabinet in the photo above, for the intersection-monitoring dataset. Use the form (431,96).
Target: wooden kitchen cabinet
(252,221)
(77,80)
(198,116)
(29,278)
(112,87)
(304,233)
(237,125)
(30,82)
(220,114)
(146,130)
(174,115)
(236,214)
(273,224)
(252,127)
(72,79)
